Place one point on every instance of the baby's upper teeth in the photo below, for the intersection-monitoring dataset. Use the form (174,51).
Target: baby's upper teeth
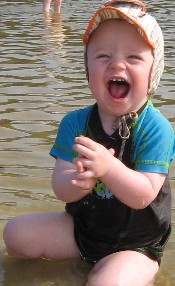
(114,79)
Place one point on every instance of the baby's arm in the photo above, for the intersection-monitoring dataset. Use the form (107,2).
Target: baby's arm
(64,180)
(133,188)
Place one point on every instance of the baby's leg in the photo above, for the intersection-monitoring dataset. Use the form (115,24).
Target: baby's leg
(49,235)
(46,6)
(124,268)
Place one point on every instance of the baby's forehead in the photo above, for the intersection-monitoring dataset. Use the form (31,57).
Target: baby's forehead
(116,30)
(107,23)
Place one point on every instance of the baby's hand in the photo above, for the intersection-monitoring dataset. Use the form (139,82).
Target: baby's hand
(86,182)
(95,158)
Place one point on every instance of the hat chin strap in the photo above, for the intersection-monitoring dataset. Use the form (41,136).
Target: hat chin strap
(124,131)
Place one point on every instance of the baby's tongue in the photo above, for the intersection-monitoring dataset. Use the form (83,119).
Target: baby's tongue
(118,89)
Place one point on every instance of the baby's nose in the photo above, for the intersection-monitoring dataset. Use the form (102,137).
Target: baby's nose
(118,64)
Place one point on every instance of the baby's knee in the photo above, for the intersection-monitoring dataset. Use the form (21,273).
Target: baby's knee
(96,279)
(92,281)
(10,229)
(13,235)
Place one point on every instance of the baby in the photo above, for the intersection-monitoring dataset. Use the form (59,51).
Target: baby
(112,160)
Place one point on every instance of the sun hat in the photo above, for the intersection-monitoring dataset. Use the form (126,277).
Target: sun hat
(134,12)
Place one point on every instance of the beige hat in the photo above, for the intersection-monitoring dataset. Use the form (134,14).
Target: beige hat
(134,12)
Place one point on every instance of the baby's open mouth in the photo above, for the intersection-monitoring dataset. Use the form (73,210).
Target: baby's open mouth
(118,88)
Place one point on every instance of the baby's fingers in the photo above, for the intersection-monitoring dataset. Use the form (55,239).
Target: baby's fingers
(86,142)
(85,175)
(79,165)
(112,151)
(82,184)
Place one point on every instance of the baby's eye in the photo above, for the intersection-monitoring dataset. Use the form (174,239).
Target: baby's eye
(134,57)
(102,56)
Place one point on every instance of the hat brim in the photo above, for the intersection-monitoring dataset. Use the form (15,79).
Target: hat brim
(107,13)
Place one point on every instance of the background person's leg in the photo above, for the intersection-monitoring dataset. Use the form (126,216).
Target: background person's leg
(57,6)
(46,6)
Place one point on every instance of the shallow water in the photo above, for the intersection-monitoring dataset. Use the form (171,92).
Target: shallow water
(42,78)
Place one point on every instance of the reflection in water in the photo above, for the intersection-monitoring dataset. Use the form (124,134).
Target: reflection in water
(54,36)
(42,78)
(44,273)
(54,29)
